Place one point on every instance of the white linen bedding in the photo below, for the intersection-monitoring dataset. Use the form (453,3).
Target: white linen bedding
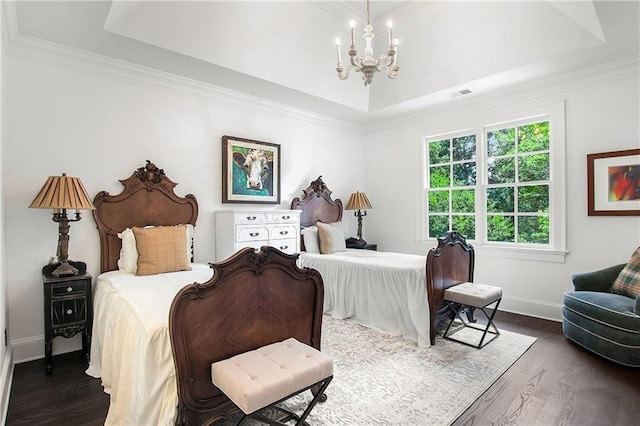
(131,350)
(382,290)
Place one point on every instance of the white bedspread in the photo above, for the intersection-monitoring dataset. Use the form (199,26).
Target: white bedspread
(385,291)
(130,347)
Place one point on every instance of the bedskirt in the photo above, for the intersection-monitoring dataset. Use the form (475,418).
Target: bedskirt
(382,290)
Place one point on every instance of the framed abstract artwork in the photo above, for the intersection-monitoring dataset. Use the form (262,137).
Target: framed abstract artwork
(250,171)
(613,183)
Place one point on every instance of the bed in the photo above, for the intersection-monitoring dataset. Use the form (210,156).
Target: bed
(131,347)
(382,290)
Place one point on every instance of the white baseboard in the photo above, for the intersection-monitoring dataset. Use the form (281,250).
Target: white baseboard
(532,308)
(32,348)
(6,378)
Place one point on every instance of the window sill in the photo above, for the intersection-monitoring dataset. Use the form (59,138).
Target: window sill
(520,253)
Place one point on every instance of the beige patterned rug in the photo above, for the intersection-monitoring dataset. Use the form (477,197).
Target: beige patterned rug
(388,380)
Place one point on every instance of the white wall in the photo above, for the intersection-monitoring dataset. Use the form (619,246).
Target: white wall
(602,114)
(102,128)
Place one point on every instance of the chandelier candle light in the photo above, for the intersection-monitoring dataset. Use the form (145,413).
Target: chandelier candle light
(367,64)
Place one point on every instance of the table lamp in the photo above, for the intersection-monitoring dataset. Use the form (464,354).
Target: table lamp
(359,201)
(61,193)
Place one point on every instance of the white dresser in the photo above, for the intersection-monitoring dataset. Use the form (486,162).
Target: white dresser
(236,229)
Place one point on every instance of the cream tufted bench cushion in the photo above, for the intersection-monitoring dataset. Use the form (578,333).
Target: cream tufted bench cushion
(256,379)
(473,294)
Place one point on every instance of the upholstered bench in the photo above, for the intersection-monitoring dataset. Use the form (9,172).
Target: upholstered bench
(479,296)
(271,374)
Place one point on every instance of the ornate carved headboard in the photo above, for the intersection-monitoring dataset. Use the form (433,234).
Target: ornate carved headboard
(147,199)
(316,205)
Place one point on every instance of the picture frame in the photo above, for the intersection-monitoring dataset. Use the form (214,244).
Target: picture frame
(250,171)
(613,183)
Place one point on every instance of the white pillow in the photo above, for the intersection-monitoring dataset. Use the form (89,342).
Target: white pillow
(331,237)
(128,261)
(310,238)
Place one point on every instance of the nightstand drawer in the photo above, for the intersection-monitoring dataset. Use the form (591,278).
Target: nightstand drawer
(67,289)
(68,311)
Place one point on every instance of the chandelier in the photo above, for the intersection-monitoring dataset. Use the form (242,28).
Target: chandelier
(367,64)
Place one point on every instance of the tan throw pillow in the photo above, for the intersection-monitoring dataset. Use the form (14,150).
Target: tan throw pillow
(161,249)
(331,237)
(628,281)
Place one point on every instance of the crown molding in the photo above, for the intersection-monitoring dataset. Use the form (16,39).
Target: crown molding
(554,86)
(32,48)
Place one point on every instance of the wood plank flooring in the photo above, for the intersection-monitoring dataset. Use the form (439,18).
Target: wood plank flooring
(554,383)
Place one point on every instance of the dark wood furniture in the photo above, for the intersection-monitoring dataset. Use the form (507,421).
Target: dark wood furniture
(147,199)
(367,246)
(253,299)
(448,264)
(68,308)
(317,205)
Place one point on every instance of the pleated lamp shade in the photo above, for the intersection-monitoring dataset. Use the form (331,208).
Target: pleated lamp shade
(63,192)
(358,201)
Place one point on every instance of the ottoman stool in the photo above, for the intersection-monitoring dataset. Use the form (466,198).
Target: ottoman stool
(477,296)
(271,374)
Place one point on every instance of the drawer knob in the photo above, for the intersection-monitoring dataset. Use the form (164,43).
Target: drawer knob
(251,218)
(283,248)
(69,311)
(254,234)
(69,289)
(284,232)
(285,217)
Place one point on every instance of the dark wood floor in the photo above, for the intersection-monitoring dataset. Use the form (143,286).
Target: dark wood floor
(553,383)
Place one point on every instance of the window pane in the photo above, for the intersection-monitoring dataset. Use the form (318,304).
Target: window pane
(464,174)
(500,228)
(464,148)
(533,167)
(466,225)
(501,170)
(439,152)
(438,225)
(500,200)
(533,229)
(533,137)
(439,201)
(501,142)
(439,177)
(533,199)
(463,201)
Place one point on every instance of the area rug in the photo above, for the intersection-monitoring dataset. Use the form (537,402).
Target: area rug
(387,380)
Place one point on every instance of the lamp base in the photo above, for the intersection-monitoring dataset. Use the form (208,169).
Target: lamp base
(355,242)
(65,269)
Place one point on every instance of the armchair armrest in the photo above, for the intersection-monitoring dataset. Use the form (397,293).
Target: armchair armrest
(636,306)
(599,280)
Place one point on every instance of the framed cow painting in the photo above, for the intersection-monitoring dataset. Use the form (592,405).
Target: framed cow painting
(250,171)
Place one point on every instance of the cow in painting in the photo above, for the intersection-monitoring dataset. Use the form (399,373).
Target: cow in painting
(258,167)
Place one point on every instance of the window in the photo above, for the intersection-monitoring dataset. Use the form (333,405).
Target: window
(499,185)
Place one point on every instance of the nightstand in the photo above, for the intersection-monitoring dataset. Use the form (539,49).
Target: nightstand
(364,247)
(68,308)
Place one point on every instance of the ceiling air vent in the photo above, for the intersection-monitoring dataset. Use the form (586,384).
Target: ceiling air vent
(459,93)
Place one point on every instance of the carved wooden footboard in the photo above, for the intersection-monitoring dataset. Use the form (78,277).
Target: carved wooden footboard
(253,299)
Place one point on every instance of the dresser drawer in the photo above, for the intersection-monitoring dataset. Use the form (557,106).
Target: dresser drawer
(279,232)
(250,218)
(284,217)
(253,244)
(251,233)
(58,290)
(289,246)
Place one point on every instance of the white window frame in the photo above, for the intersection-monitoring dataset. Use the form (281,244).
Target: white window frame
(555,114)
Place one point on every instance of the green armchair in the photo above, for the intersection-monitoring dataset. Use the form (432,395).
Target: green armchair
(605,323)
